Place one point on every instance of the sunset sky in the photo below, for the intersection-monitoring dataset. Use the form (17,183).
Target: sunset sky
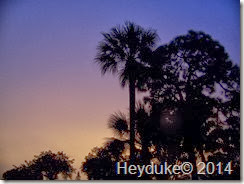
(52,94)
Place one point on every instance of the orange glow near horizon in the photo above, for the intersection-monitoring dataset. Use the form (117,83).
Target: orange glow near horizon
(64,121)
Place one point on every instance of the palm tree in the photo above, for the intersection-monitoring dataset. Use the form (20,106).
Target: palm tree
(103,160)
(126,51)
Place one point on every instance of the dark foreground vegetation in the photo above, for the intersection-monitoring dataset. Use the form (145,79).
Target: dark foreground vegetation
(191,111)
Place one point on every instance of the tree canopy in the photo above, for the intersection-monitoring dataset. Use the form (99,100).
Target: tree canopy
(47,165)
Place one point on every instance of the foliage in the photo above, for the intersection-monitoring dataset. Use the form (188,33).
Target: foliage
(191,113)
(46,165)
(197,83)
(193,110)
(100,163)
(125,51)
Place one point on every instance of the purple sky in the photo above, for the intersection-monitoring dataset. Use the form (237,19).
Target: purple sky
(52,94)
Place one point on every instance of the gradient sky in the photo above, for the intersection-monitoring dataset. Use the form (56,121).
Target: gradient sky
(53,95)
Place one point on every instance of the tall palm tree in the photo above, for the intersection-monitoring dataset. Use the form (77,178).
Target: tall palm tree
(126,51)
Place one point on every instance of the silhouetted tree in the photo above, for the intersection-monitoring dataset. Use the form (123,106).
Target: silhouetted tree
(125,51)
(196,82)
(101,162)
(46,165)
(23,172)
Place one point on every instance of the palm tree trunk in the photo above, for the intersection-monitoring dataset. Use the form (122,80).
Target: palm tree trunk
(132,121)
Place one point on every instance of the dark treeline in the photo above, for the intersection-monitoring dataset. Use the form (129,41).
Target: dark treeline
(191,111)
(47,165)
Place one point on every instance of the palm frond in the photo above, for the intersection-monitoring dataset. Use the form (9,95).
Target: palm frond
(119,123)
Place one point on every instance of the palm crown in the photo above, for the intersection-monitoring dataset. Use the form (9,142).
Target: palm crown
(126,51)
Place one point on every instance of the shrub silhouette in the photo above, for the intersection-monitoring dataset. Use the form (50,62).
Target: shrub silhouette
(46,165)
